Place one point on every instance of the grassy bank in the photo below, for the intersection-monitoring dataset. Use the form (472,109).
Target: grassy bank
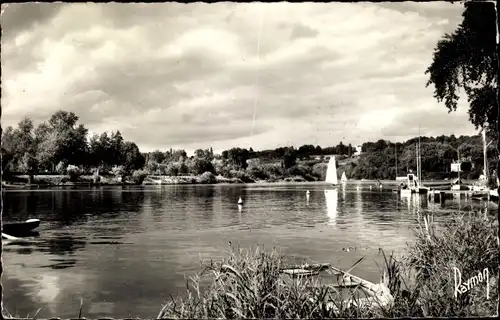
(45,181)
(421,284)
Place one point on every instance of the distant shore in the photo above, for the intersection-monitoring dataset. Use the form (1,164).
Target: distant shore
(51,181)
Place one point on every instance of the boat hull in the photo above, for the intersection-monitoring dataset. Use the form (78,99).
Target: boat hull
(20,228)
(493,195)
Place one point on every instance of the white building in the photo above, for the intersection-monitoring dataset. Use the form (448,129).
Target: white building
(358,150)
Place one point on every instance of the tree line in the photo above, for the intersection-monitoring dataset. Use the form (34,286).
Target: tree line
(61,145)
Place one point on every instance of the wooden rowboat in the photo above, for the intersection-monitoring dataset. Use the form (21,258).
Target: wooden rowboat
(21,227)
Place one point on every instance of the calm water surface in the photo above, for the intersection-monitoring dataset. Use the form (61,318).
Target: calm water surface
(124,251)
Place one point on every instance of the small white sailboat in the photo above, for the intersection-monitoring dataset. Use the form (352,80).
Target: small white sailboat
(331,172)
(343,179)
(240,201)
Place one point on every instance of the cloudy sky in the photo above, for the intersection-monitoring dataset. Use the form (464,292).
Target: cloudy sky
(230,74)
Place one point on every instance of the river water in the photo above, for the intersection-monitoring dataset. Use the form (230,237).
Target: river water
(123,251)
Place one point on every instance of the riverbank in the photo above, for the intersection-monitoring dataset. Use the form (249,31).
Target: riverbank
(423,283)
(50,181)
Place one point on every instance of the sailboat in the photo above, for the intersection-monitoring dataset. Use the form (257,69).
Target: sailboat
(343,178)
(331,172)
(481,188)
(413,182)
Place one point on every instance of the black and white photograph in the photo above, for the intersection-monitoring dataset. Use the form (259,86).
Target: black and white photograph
(263,160)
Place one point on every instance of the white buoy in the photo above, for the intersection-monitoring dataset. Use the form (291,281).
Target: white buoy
(370,187)
(307,192)
(380,186)
(240,201)
(357,188)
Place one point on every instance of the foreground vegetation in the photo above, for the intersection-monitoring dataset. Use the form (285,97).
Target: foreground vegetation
(421,283)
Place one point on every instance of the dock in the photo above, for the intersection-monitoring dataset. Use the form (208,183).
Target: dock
(441,195)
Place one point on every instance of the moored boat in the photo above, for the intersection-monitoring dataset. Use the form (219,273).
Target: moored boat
(21,227)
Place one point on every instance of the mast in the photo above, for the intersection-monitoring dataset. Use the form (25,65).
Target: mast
(416,152)
(485,170)
(396,154)
(419,162)
(459,164)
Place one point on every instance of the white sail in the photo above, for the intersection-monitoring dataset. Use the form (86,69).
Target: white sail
(331,171)
(344,177)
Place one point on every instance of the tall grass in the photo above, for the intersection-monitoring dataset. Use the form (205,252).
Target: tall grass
(249,284)
(468,242)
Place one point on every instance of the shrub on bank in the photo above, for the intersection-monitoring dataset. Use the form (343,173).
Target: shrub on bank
(207,178)
(74,172)
(249,285)
(138,176)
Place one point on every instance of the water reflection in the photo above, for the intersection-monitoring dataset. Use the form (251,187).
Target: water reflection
(332,198)
(122,248)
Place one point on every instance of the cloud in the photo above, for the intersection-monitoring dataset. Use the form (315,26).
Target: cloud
(228,74)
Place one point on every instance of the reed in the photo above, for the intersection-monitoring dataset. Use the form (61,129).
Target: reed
(248,284)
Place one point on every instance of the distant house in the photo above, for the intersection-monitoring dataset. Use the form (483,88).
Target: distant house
(358,150)
(253,160)
(322,157)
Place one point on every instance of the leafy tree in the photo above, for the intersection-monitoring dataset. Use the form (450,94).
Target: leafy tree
(289,159)
(29,165)
(468,59)
(157,156)
(131,157)
(100,146)
(61,139)
(115,148)
(238,157)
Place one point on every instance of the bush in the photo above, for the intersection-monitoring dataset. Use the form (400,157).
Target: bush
(172,169)
(257,172)
(74,172)
(242,175)
(138,176)
(118,171)
(319,171)
(207,178)
(61,168)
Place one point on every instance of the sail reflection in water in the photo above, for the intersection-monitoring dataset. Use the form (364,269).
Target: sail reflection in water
(332,199)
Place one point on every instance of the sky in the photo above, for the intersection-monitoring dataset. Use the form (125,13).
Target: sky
(260,75)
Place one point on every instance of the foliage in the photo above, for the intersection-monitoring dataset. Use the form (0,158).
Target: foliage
(53,144)
(289,158)
(61,168)
(466,242)
(118,171)
(74,172)
(207,178)
(468,59)
(138,176)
